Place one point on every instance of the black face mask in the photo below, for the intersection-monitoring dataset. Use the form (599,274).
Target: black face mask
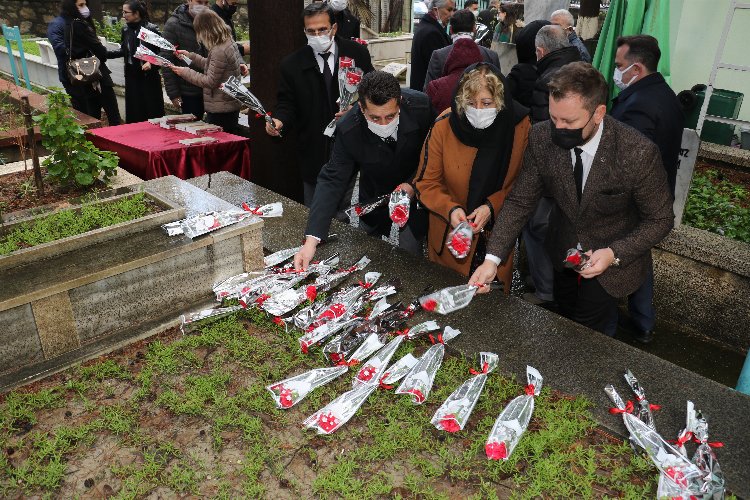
(568,138)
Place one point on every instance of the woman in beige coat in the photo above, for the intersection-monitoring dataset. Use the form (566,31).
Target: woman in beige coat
(471,159)
(223,61)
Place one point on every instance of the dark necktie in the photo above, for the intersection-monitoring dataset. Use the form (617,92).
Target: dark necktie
(578,172)
(327,75)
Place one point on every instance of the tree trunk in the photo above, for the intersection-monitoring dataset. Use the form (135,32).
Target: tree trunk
(395,15)
(274,33)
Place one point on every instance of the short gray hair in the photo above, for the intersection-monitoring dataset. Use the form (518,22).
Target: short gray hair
(565,14)
(551,38)
(436,4)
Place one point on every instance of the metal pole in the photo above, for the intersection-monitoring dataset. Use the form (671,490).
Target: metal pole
(31,137)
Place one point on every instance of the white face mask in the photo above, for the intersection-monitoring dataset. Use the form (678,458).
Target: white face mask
(84,11)
(383,131)
(480,118)
(617,77)
(338,5)
(319,43)
(196,9)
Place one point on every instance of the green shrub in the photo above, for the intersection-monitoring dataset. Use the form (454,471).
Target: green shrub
(719,206)
(111,32)
(74,160)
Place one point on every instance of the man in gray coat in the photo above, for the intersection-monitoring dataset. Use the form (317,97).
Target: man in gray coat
(462,25)
(610,193)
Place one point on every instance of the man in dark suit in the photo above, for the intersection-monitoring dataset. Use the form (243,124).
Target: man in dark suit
(308,90)
(381,138)
(649,105)
(429,36)
(462,25)
(610,194)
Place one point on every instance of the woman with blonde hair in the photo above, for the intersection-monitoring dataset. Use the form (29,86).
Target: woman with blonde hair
(223,61)
(470,161)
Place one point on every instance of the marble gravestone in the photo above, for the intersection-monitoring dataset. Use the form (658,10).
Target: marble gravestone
(685,166)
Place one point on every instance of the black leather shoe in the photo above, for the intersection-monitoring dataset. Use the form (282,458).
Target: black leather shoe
(644,337)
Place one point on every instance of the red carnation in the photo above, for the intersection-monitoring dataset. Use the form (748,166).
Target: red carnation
(353,78)
(400,215)
(286,398)
(278,321)
(358,210)
(496,451)
(574,259)
(366,373)
(449,424)
(262,299)
(328,422)
(311,292)
(418,396)
(333,312)
(461,245)
(429,305)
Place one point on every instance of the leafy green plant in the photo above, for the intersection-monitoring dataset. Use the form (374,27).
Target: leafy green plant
(111,32)
(74,160)
(719,206)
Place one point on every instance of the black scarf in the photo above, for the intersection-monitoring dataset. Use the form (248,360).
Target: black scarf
(131,39)
(494,144)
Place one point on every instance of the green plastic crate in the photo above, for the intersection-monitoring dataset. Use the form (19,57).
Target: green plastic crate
(724,103)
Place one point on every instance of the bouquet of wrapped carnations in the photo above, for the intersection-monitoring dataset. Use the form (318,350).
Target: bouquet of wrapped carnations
(514,419)
(349,78)
(459,240)
(235,88)
(418,382)
(269,210)
(398,207)
(359,210)
(152,38)
(291,391)
(204,223)
(576,260)
(145,54)
(456,410)
(357,343)
(340,410)
(676,468)
(452,298)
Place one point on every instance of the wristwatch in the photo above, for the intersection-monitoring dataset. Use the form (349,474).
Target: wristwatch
(615,261)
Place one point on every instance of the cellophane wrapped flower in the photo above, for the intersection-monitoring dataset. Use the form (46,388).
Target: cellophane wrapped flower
(291,391)
(456,410)
(359,210)
(513,420)
(576,260)
(349,78)
(644,407)
(448,299)
(156,39)
(420,329)
(398,207)
(372,344)
(705,459)
(237,90)
(325,331)
(372,371)
(676,468)
(418,382)
(339,411)
(266,211)
(186,319)
(277,258)
(459,240)
(204,223)
(398,370)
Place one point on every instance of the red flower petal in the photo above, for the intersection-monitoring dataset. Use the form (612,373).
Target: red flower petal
(400,215)
(429,305)
(366,373)
(311,292)
(328,422)
(418,396)
(449,424)
(496,451)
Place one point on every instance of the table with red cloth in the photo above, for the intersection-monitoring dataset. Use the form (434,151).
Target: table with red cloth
(149,151)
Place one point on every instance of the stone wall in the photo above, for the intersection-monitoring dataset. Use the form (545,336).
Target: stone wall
(32,16)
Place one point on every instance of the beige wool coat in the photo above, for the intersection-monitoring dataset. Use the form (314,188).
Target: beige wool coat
(222,62)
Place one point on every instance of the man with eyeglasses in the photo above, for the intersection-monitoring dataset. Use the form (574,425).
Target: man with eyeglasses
(429,36)
(308,90)
(381,138)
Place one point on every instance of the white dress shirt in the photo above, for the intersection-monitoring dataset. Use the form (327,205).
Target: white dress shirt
(587,158)
(334,50)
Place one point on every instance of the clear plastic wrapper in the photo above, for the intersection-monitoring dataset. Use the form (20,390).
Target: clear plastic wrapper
(235,88)
(514,419)
(269,210)
(341,346)
(291,391)
(576,260)
(456,410)
(449,299)
(152,38)
(145,54)
(372,344)
(397,371)
(277,258)
(712,478)
(339,411)
(349,78)
(418,383)
(359,210)
(186,319)
(644,407)
(666,488)
(420,329)
(459,240)
(324,332)
(198,225)
(675,467)
(398,207)
(372,371)
(281,303)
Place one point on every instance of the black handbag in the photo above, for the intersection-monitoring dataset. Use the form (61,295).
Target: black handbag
(83,71)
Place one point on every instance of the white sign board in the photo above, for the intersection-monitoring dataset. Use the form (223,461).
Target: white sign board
(685,165)
(394,68)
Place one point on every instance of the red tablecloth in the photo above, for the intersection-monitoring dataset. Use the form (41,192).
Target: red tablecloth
(150,151)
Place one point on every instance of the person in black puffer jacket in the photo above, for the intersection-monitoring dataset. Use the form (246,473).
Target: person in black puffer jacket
(81,41)
(180,32)
(523,75)
(143,95)
(553,51)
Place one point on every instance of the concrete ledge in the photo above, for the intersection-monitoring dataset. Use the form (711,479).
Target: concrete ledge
(735,156)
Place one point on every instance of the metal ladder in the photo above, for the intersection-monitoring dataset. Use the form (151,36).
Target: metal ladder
(718,64)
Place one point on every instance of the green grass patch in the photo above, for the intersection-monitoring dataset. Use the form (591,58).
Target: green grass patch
(718,205)
(29,46)
(65,223)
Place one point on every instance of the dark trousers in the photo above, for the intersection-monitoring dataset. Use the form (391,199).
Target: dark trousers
(193,104)
(641,304)
(585,301)
(227,121)
(75,99)
(94,100)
